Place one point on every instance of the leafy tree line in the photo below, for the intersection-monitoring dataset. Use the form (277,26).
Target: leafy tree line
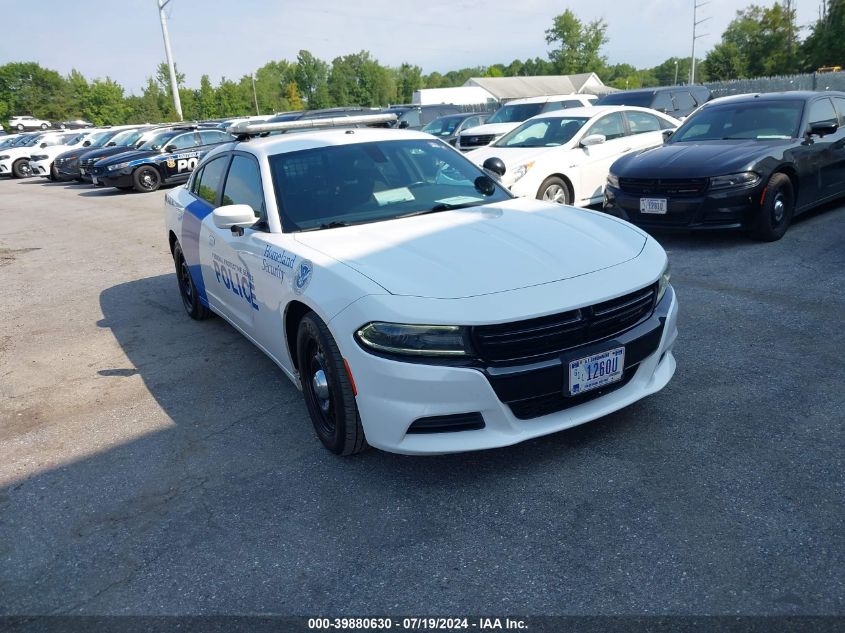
(759,41)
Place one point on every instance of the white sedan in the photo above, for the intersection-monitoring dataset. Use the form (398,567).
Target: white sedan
(41,159)
(565,156)
(418,305)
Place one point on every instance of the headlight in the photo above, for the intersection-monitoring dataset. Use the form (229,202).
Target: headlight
(414,340)
(742,179)
(118,166)
(4,157)
(663,282)
(613,180)
(520,171)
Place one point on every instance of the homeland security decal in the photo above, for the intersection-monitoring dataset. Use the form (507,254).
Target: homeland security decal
(303,276)
(275,262)
(236,278)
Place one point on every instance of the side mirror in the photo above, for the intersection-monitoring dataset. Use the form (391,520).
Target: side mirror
(822,128)
(233,216)
(86,143)
(667,134)
(593,139)
(43,145)
(485,185)
(496,165)
(403,125)
(110,144)
(170,149)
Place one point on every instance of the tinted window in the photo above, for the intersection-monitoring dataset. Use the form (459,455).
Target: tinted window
(412,117)
(663,102)
(611,126)
(743,120)
(207,182)
(212,136)
(243,185)
(684,101)
(183,141)
(822,111)
(640,122)
(640,99)
(516,113)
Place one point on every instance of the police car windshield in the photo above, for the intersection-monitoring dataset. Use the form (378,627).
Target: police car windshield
(516,113)
(333,186)
(159,140)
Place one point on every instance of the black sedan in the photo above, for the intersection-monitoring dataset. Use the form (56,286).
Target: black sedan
(447,128)
(748,162)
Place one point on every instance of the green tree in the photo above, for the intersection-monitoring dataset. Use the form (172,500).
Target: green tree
(234,99)
(407,79)
(106,104)
(206,99)
(311,76)
(357,79)
(577,45)
(27,88)
(726,62)
(825,45)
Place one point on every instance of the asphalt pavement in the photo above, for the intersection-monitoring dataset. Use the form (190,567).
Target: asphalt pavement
(150,464)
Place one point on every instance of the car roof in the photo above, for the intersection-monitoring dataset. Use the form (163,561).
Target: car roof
(776,96)
(544,99)
(591,111)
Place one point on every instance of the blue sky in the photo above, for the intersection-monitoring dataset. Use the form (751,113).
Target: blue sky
(122,38)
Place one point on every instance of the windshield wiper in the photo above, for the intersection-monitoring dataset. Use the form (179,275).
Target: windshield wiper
(334,224)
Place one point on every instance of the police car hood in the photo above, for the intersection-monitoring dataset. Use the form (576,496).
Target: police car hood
(480,250)
(127,156)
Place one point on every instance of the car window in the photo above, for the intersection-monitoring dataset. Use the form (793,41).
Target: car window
(821,111)
(840,106)
(208,181)
(207,137)
(663,102)
(743,120)
(683,100)
(543,132)
(610,126)
(412,117)
(243,185)
(572,103)
(183,141)
(640,122)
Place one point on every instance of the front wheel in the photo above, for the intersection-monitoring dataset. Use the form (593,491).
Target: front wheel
(329,395)
(43,126)
(21,168)
(554,189)
(20,127)
(776,208)
(146,179)
(187,288)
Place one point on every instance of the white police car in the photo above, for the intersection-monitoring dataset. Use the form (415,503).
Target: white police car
(418,305)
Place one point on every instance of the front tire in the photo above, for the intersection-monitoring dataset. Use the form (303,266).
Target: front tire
(329,395)
(776,209)
(20,127)
(187,288)
(43,126)
(554,189)
(21,168)
(146,179)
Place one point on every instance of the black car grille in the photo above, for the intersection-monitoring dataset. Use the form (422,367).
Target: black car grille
(87,162)
(549,335)
(476,140)
(663,186)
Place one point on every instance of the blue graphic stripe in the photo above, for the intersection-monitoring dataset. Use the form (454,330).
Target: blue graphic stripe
(195,212)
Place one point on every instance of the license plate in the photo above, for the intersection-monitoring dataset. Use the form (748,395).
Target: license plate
(598,370)
(653,205)
(94,180)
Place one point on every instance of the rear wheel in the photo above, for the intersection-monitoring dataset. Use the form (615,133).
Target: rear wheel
(43,126)
(775,213)
(554,189)
(21,168)
(54,175)
(329,395)
(187,288)
(146,179)
(20,127)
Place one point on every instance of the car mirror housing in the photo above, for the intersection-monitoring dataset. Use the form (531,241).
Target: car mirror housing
(593,139)
(667,134)
(822,128)
(170,149)
(233,216)
(495,165)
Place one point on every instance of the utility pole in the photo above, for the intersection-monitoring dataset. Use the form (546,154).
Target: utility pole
(174,86)
(254,94)
(696,35)
(676,73)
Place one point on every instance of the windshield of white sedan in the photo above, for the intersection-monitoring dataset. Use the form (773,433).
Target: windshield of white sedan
(359,183)
(759,121)
(548,132)
(516,113)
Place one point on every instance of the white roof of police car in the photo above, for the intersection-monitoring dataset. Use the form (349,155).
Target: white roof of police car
(283,143)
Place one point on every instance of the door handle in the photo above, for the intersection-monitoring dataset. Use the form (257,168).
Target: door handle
(211,240)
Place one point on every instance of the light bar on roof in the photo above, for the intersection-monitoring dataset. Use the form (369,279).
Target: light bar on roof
(245,127)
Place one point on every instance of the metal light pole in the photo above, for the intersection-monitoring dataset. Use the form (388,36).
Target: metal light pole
(174,86)
(676,73)
(695,36)
(255,94)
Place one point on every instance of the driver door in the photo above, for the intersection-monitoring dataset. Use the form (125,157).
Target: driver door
(597,159)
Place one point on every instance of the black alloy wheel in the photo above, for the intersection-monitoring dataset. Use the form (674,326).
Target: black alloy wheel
(187,289)
(776,209)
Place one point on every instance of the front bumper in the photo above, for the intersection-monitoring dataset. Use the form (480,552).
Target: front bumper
(117,178)
(730,209)
(517,403)
(67,171)
(41,167)
(5,167)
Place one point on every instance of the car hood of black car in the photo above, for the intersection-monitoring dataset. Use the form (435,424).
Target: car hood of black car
(103,152)
(126,156)
(696,159)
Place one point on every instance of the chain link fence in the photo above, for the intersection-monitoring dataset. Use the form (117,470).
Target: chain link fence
(809,81)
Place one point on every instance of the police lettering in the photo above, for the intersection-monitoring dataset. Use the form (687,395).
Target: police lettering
(239,284)
(186,164)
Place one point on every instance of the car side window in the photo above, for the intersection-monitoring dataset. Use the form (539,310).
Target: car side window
(572,103)
(663,102)
(553,105)
(412,117)
(610,126)
(183,141)
(840,106)
(207,183)
(640,122)
(821,111)
(243,185)
(207,137)
(684,100)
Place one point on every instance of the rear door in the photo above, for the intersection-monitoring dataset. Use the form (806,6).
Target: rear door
(644,130)
(597,159)
(828,152)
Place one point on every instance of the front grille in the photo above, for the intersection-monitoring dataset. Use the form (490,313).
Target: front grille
(549,335)
(554,402)
(663,186)
(476,140)
(448,423)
